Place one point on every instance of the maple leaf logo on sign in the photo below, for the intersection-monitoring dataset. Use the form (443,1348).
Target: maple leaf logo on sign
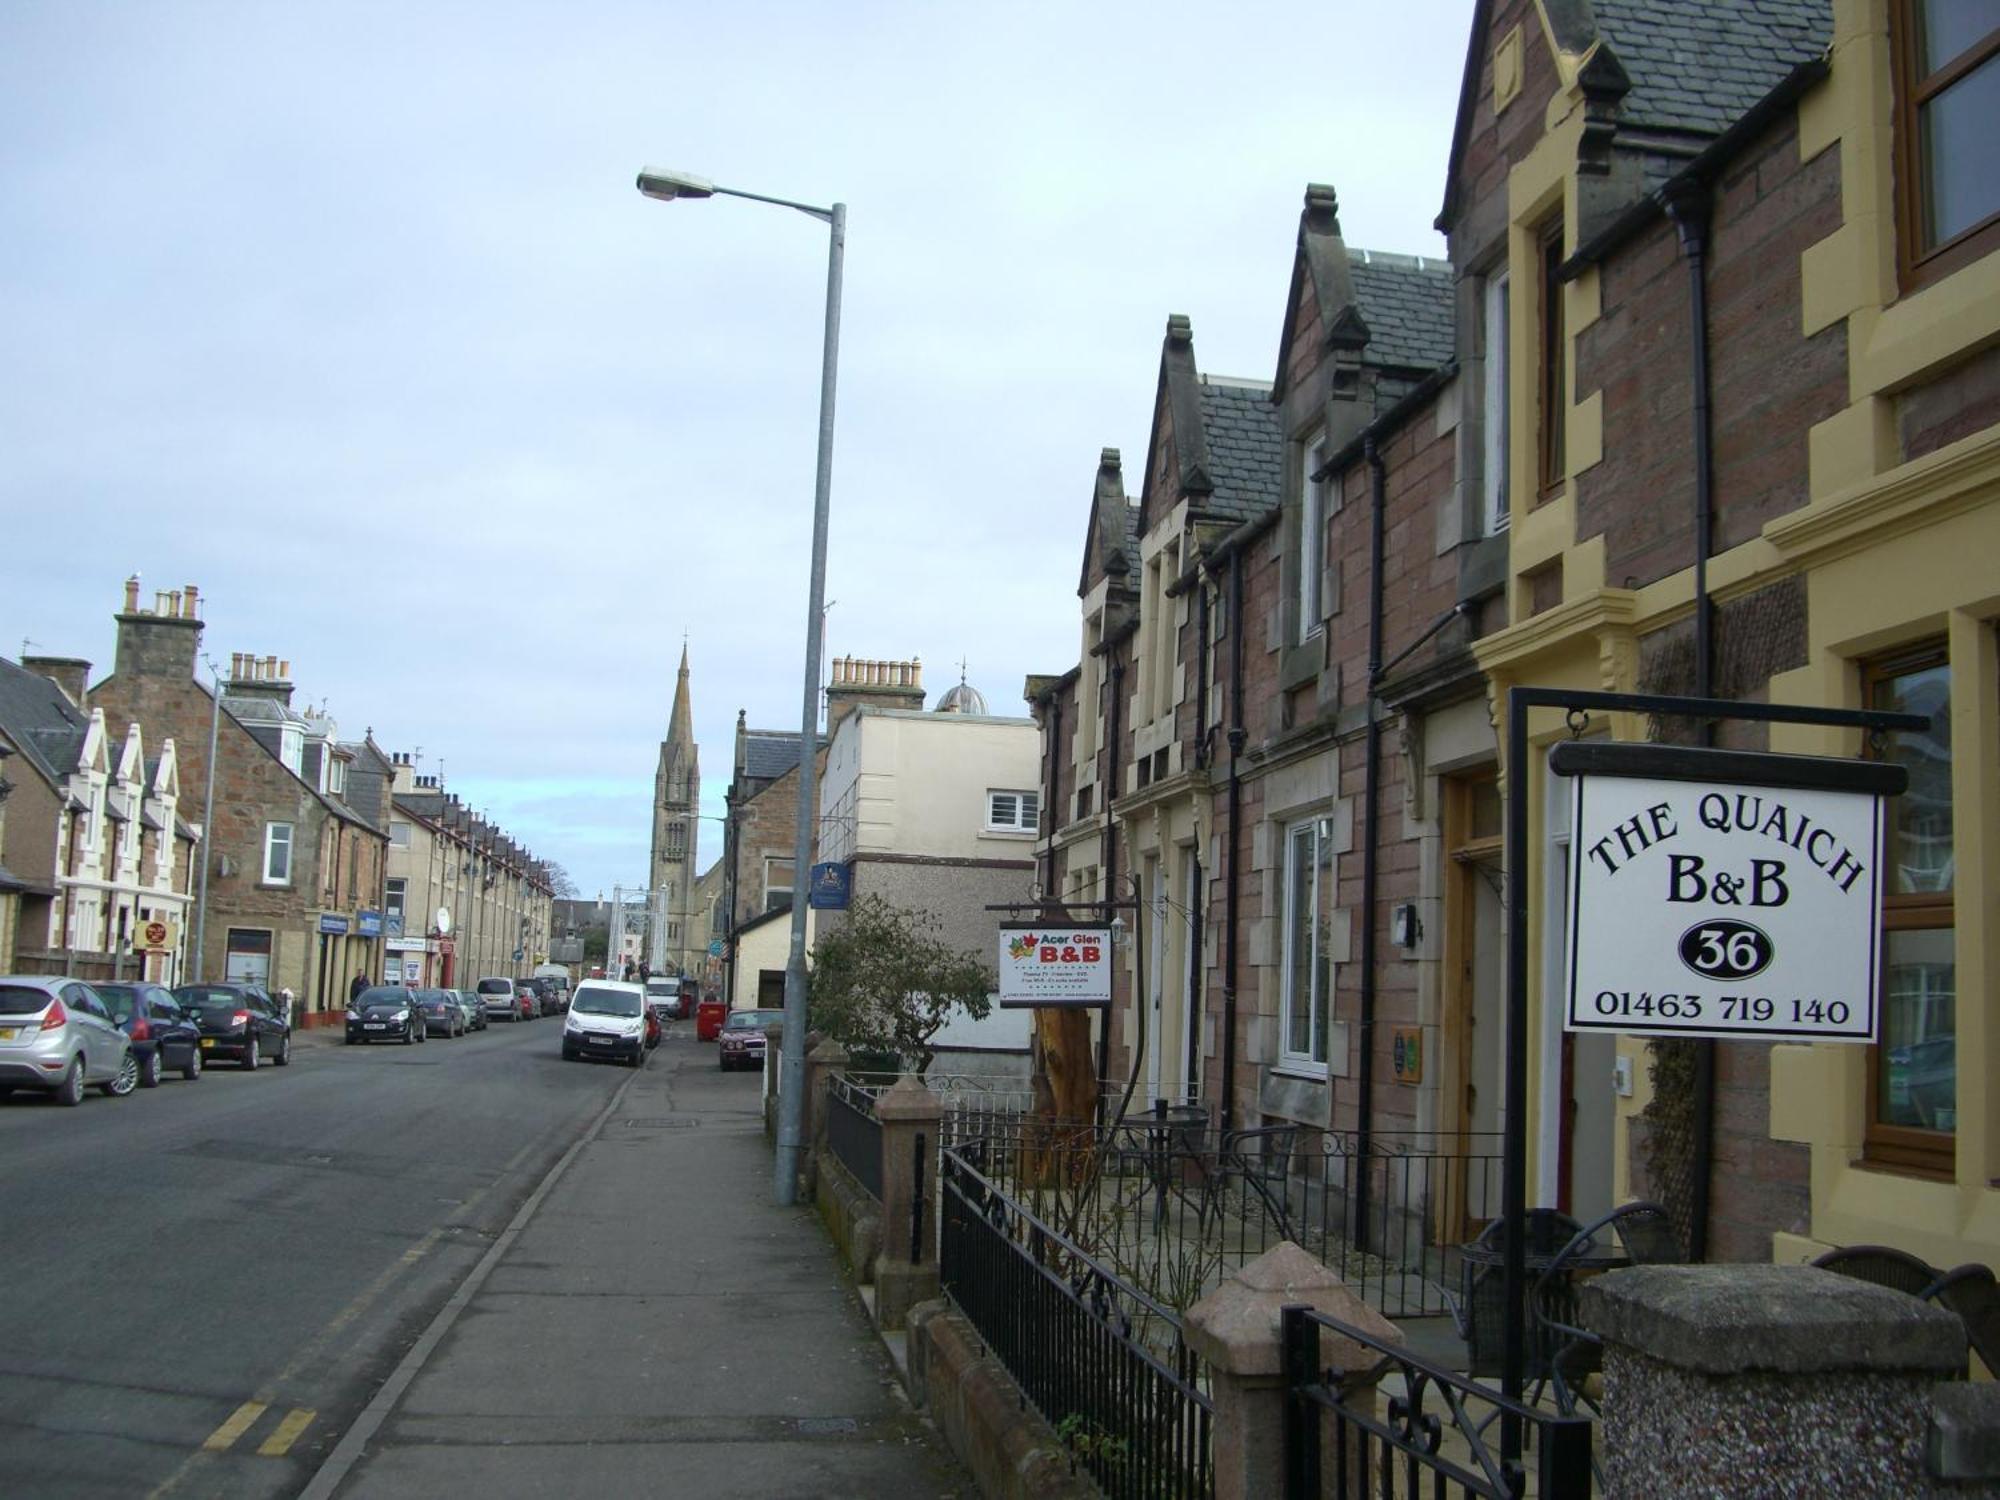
(1022,944)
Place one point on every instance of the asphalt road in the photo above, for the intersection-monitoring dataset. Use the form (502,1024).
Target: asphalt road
(203,1284)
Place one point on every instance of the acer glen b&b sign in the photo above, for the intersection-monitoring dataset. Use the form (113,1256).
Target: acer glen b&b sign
(1043,965)
(1724,893)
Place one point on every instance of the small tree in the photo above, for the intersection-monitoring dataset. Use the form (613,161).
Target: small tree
(883,982)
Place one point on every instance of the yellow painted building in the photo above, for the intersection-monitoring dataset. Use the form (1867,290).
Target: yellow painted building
(1852,333)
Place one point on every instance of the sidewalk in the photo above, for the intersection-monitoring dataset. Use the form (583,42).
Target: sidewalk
(653,1325)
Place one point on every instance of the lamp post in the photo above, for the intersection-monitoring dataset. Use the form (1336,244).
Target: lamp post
(658,183)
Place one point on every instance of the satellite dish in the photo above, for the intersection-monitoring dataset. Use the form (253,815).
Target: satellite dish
(443,920)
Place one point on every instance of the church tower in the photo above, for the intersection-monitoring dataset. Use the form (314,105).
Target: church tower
(676,802)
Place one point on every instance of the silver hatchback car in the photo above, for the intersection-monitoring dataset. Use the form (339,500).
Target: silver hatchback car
(56,1035)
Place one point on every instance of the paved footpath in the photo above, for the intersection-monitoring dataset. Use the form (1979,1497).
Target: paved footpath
(651,1324)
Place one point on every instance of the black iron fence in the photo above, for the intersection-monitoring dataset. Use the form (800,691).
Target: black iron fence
(1104,1363)
(853,1134)
(1174,1205)
(1392,1426)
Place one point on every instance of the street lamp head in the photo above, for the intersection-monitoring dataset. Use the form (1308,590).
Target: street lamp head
(659,182)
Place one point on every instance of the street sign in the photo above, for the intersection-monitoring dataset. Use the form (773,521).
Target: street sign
(155,935)
(831,886)
(519,954)
(715,948)
(1054,966)
(1723,894)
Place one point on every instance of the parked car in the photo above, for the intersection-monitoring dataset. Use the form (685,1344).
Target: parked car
(162,1035)
(474,1008)
(57,1036)
(558,976)
(499,999)
(527,998)
(661,1008)
(554,994)
(440,1012)
(743,1037)
(607,1018)
(239,1021)
(385,1013)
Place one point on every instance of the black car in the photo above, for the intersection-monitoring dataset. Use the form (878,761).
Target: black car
(555,999)
(163,1036)
(385,1013)
(238,1021)
(441,1014)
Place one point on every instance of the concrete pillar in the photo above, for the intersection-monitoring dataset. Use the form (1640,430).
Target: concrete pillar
(1779,1381)
(823,1060)
(1235,1328)
(906,1273)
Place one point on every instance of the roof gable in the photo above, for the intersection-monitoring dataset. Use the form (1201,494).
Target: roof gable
(1111,544)
(43,724)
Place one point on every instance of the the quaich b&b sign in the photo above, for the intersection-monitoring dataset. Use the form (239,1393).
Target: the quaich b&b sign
(1724,893)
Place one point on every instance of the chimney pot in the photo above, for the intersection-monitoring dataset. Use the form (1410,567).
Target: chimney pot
(174,604)
(159,601)
(132,595)
(193,596)
(285,671)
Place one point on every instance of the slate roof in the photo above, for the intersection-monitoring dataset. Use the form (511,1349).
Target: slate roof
(256,708)
(1699,65)
(770,753)
(40,719)
(1406,300)
(1246,449)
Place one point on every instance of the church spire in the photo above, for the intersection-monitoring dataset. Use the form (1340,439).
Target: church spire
(680,724)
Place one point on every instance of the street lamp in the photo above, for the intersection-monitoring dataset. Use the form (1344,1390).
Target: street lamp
(658,183)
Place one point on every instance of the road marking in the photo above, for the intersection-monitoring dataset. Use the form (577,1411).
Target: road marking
(279,1443)
(240,1420)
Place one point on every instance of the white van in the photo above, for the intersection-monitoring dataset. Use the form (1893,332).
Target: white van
(664,987)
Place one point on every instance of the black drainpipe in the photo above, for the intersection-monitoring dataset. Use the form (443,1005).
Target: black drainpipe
(1231,889)
(1111,857)
(1370,871)
(1688,207)
(1054,785)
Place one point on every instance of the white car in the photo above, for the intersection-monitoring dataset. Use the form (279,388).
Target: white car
(57,1036)
(607,1018)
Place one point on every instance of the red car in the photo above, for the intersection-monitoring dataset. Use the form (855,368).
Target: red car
(525,998)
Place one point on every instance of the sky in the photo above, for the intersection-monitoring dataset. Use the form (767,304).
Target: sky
(352,316)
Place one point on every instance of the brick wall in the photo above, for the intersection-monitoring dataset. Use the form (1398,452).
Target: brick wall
(1768,385)
(1964,399)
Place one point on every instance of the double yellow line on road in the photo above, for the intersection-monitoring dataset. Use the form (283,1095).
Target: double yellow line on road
(277,1445)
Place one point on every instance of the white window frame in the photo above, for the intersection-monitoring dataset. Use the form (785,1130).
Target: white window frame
(1024,810)
(1311,834)
(1312,536)
(274,844)
(399,834)
(1496,407)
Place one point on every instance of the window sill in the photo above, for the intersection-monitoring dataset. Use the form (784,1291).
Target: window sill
(1308,1072)
(1008,833)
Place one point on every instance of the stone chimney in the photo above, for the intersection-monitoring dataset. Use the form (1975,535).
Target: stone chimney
(161,642)
(260,677)
(71,674)
(879,684)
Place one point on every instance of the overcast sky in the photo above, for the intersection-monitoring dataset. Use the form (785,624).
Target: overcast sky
(351,315)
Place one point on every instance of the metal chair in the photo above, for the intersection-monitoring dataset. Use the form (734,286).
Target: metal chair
(1649,1238)
(1479,1310)
(1883,1265)
(1971,1292)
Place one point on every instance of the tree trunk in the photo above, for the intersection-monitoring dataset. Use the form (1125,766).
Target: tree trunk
(1058,1141)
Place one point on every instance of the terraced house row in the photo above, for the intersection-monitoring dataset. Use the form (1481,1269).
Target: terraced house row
(301,862)
(1704,400)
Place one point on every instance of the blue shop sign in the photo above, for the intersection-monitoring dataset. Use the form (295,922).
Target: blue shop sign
(330,923)
(369,923)
(831,886)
